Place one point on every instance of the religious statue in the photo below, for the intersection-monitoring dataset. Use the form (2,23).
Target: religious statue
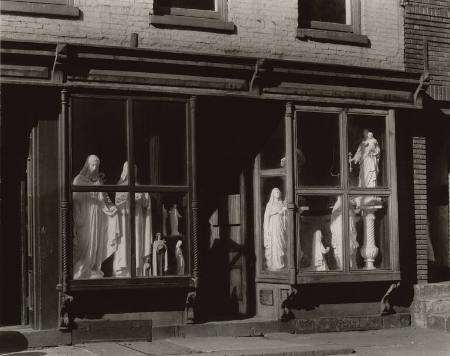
(336,233)
(174,215)
(96,225)
(319,250)
(164,215)
(367,156)
(159,256)
(143,229)
(179,257)
(274,231)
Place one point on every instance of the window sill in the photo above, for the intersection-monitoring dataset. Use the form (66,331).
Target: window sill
(333,36)
(25,8)
(192,22)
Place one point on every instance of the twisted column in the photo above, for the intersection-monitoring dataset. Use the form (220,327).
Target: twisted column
(369,251)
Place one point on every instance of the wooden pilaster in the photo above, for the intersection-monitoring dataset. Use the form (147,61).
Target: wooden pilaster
(195,201)
(420,207)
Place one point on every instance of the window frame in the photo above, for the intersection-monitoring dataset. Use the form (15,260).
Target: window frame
(193,18)
(169,281)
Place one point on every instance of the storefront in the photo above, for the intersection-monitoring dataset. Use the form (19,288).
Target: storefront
(179,187)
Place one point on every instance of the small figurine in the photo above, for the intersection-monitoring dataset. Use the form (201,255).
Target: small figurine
(159,258)
(319,250)
(179,258)
(174,215)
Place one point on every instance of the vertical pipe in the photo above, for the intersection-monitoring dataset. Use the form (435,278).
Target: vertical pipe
(290,196)
(195,200)
(64,198)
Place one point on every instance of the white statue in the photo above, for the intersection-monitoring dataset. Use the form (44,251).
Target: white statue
(336,233)
(179,257)
(164,216)
(159,256)
(274,231)
(143,230)
(319,250)
(174,215)
(95,224)
(368,156)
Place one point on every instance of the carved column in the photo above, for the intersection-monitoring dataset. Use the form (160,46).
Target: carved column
(195,202)
(290,194)
(369,251)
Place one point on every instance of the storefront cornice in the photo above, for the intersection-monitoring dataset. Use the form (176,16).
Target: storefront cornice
(147,70)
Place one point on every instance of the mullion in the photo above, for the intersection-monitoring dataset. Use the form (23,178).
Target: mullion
(131,186)
(343,128)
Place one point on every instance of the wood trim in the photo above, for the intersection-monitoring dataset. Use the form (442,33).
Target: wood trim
(354,276)
(193,22)
(177,11)
(44,9)
(331,26)
(132,283)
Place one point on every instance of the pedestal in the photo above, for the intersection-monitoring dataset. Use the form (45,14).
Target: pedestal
(369,250)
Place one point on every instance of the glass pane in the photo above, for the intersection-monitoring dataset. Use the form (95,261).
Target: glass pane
(367,151)
(99,140)
(160,142)
(274,223)
(189,4)
(320,233)
(369,227)
(273,152)
(96,234)
(318,151)
(161,229)
(336,11)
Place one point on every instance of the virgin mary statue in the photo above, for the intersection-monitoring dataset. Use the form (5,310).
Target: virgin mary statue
(274,230)
(143,230)
(95,224)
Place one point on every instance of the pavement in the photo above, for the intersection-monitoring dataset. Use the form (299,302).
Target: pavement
(386,342)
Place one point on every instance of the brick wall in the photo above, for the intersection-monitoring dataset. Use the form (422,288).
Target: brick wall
(265,28)
(428,21)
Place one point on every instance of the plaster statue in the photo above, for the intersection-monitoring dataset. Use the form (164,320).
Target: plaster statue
(179,257)
(96,225)
(164,215)
(159,256)
(367,156)
(143,229)
(336,233)
(174,215)
(319,250)
(274,231)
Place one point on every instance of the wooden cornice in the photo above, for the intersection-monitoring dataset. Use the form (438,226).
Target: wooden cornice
(147,70)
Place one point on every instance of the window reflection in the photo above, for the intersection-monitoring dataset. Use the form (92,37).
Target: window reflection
(273,153)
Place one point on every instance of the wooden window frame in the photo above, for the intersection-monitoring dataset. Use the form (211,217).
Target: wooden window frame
(133,282)
(51,8)
(193,18)
(389,192)
(336,32)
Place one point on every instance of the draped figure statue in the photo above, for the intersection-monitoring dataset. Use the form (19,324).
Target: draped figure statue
(274,231)
(368,156)
(179,257)
(318,252)
(95,224)
(143,230)
(159,256)
(336,233)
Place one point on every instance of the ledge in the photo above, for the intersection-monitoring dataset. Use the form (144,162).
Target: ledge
(28,8)
(192,22)
(333,36)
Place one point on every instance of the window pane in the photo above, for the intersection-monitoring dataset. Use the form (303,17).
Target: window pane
(336,11)
(96,234)
(273,153)
(189,4)
(367,151)
(369,226)
(161,229)
(321,233)
(160,142)
(318,152)
(274,223)
(99,135)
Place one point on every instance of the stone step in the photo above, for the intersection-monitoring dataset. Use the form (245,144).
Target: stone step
(426,304)
(431,290)
(441,307)
(439,322)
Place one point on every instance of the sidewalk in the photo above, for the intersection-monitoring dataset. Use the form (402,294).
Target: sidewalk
(389,342)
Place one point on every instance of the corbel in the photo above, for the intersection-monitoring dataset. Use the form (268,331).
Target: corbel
(58,70)
(257,82)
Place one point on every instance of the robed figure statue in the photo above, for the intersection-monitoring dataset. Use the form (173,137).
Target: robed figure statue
(95,224)
(368,156)
(143,230)
(274,231)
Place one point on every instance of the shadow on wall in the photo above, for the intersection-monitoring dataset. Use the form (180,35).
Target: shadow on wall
(13,341)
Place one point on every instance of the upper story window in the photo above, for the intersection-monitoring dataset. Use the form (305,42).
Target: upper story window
(331,21)
(204,14)
(53,8)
